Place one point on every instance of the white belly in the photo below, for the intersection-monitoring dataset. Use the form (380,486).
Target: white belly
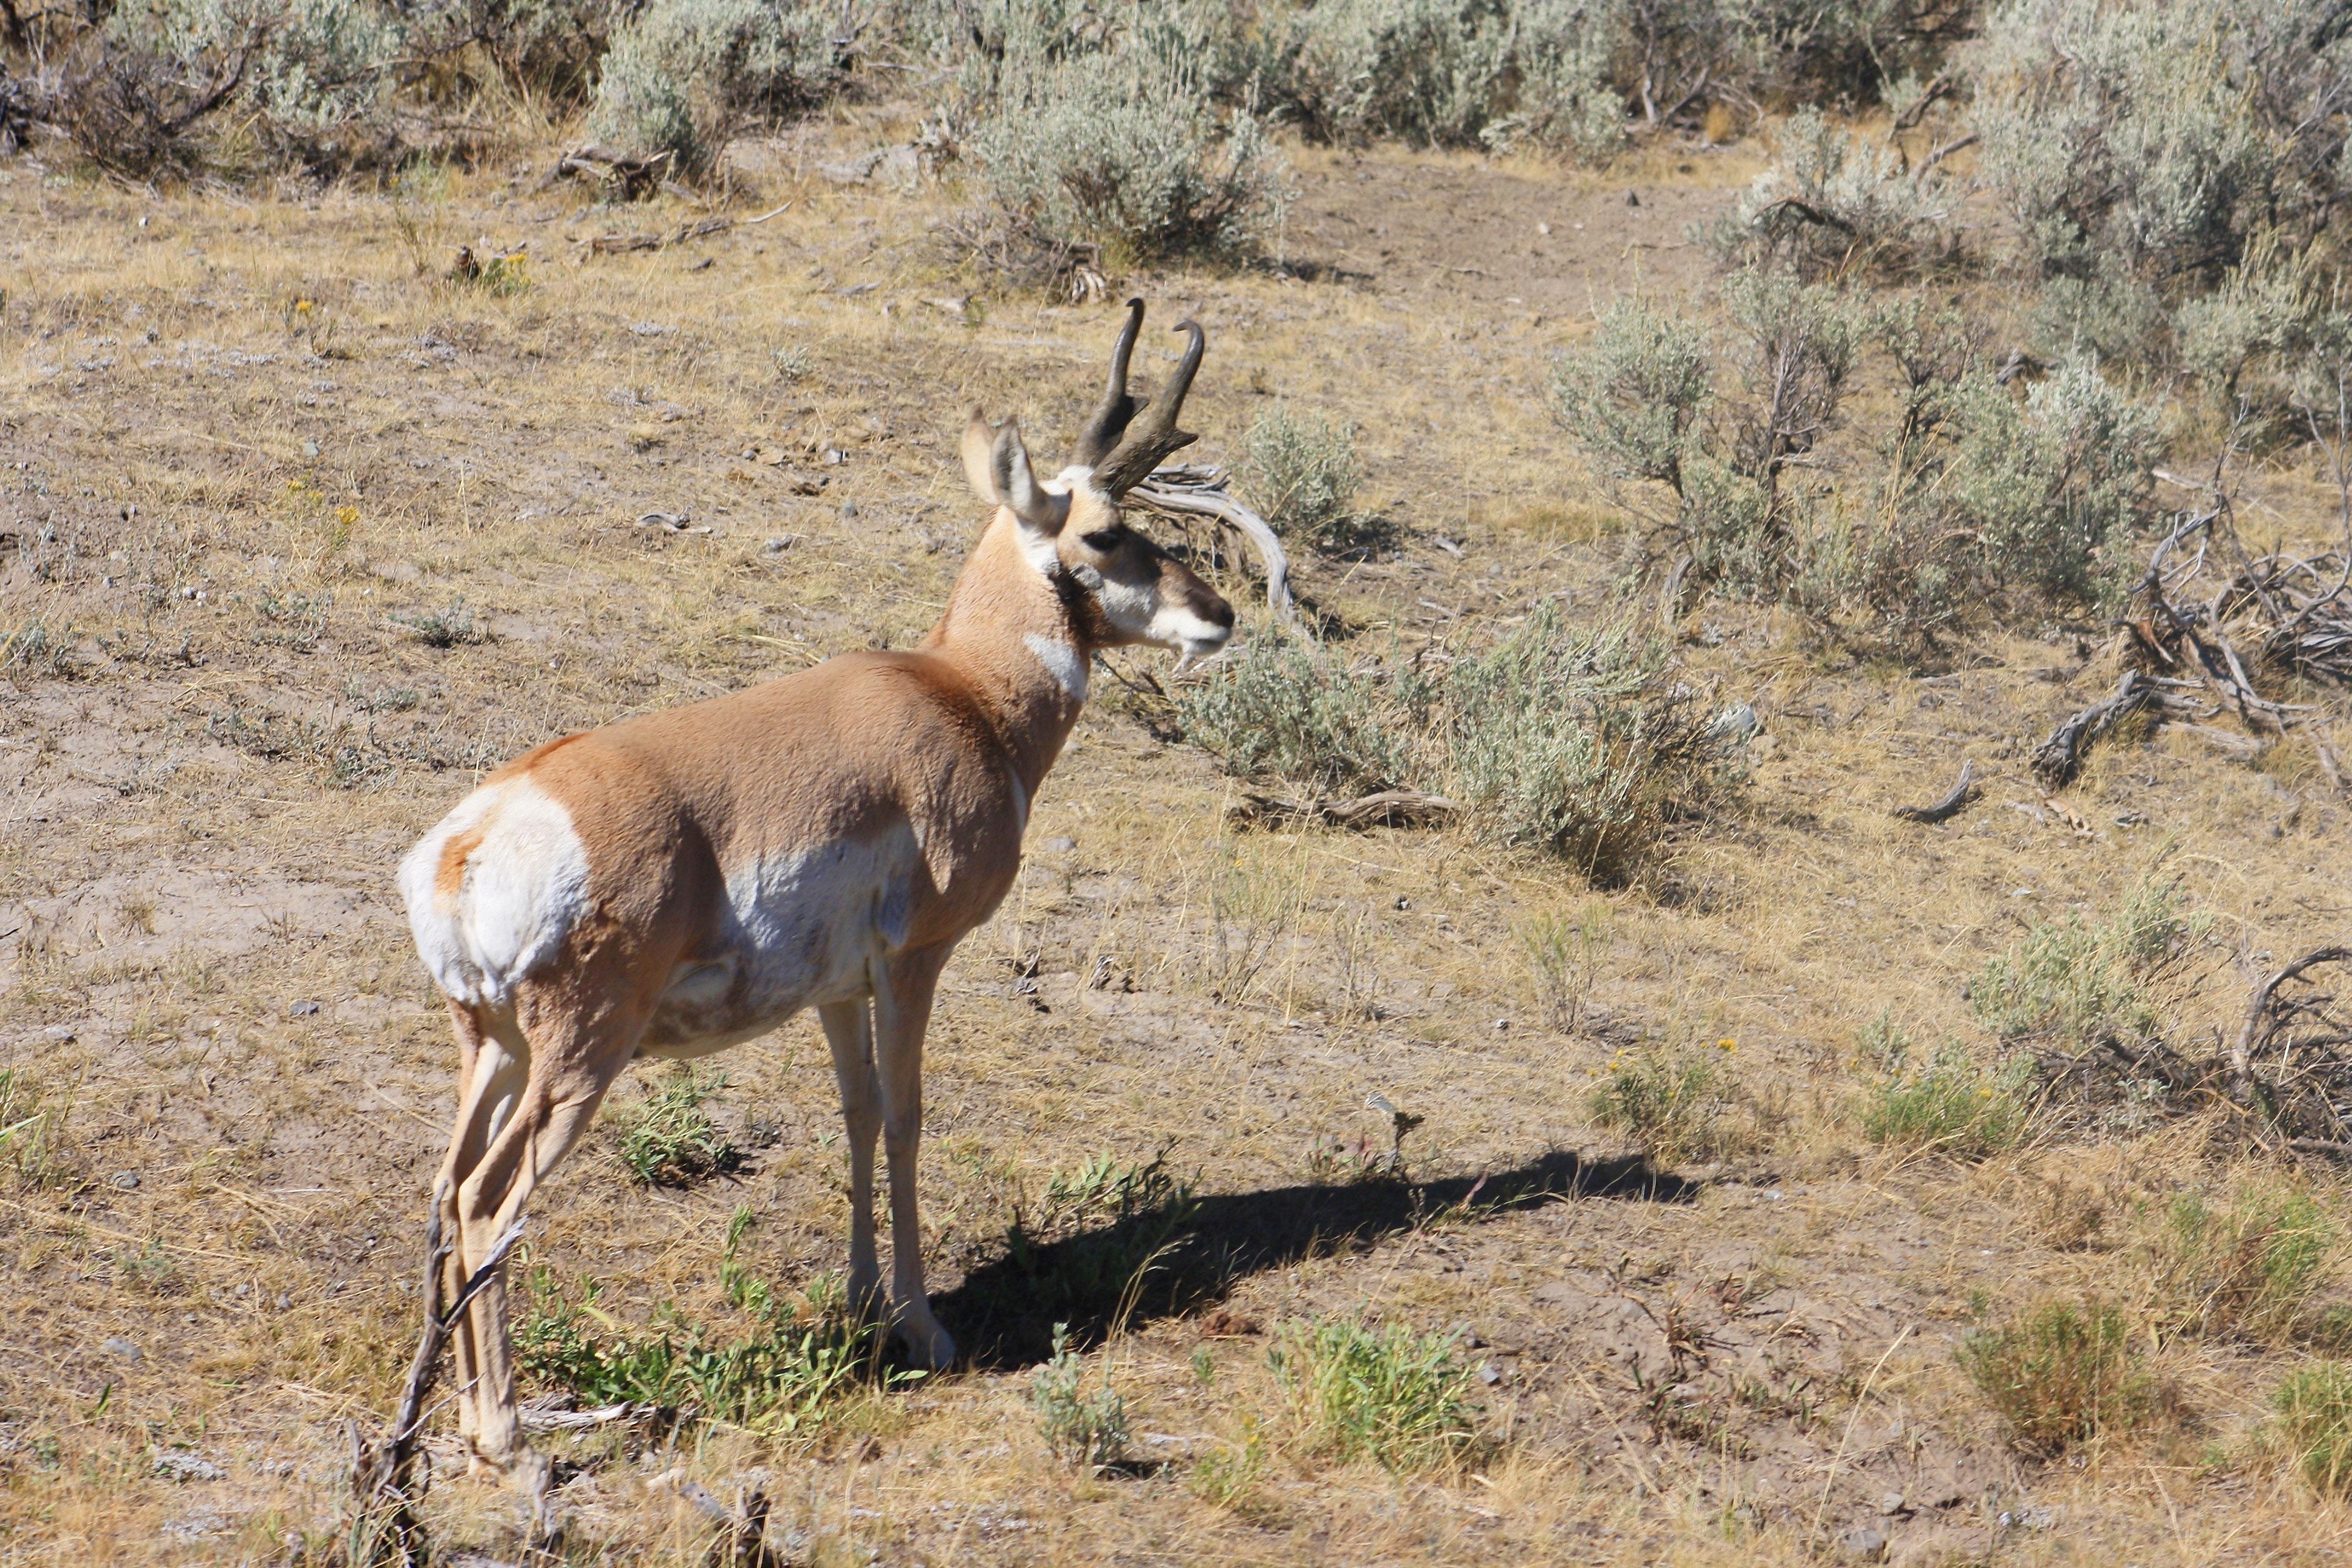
(802,929)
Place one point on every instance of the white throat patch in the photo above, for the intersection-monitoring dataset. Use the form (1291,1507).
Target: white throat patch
(1065,664)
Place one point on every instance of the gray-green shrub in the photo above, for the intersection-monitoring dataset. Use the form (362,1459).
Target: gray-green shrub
(2160,137)
(1833,200)
(684,76)
(1985,501)
(1576,742)
(2069,984)
(1304,471)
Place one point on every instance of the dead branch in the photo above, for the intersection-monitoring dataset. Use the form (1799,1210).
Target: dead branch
(2265,1016)
(632,177)
(1198,489)
(620,244)
(1391,807)
(382,1473)
(1949,805)
(2058,759)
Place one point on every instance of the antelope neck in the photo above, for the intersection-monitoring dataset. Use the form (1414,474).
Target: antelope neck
(1009,633)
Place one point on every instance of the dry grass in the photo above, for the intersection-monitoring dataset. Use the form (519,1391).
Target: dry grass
(233,516)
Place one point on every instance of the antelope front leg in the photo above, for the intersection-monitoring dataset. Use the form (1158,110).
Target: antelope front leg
(847,1030)
(902,1011)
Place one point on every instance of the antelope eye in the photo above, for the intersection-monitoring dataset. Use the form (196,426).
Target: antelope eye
(1105,539)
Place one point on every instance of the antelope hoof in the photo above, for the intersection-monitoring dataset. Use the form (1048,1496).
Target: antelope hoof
(928,1346)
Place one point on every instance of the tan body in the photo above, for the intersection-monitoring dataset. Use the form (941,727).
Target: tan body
(683,881)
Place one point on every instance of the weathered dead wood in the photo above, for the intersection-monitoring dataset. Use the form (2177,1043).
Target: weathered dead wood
(386,1530)
(702,229)
(2058,759)
(633,176)
(1948,807)
(1196,489)
(2265,1016)
(1390,807)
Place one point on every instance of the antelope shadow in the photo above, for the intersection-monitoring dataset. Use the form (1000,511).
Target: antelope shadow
(1186,1255)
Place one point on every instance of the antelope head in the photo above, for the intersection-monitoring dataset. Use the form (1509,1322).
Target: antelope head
(1119,587)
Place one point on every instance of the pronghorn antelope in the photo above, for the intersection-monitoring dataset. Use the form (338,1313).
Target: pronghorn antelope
(679,883)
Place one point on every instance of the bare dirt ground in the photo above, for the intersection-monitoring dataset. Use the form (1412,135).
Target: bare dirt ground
(255,465)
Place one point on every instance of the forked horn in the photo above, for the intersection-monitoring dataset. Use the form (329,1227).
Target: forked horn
(1111,414)
(1152,435)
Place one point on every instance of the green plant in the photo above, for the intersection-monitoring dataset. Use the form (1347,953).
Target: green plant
(2251,1264)
(1564,953)
(683,76)
(1089,1431)
(443,628)
(1394,1397)
(668,1138)
(1305,470)
(2062,1374)
(1667,1095)
(2117,136)
(1228,1475)
(1956,1106)
(2072,984)
(2312,1419)
(32,1127)
(793,1359)
(1833,202)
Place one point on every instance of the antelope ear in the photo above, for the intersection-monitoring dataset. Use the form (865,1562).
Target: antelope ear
(978,436)
(1017,489)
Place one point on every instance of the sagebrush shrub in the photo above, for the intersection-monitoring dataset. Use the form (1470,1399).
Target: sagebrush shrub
(1577,743)
(683,76)
(2159,137)
(1090,1431)
(2070,983)
(1112,137)
(1833,200)
(2064,1373)
(1306,470)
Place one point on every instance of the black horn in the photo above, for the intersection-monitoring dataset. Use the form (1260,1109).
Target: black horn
(1112,414)
(1152,435)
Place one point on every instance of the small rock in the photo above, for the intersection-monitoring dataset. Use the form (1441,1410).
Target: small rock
(781,543)
(848,510)
(303,1009)
(123,1349)
(175,1466)
(128,1181)
(1502,1025)
(1736,723)
(285,1301)
(1893,1502)
(1487,1374)
(1865,1545)
(1061,845)
(58,1033)
(1633,198)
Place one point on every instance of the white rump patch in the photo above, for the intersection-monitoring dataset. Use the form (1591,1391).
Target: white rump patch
(1065,664)
(523,887)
